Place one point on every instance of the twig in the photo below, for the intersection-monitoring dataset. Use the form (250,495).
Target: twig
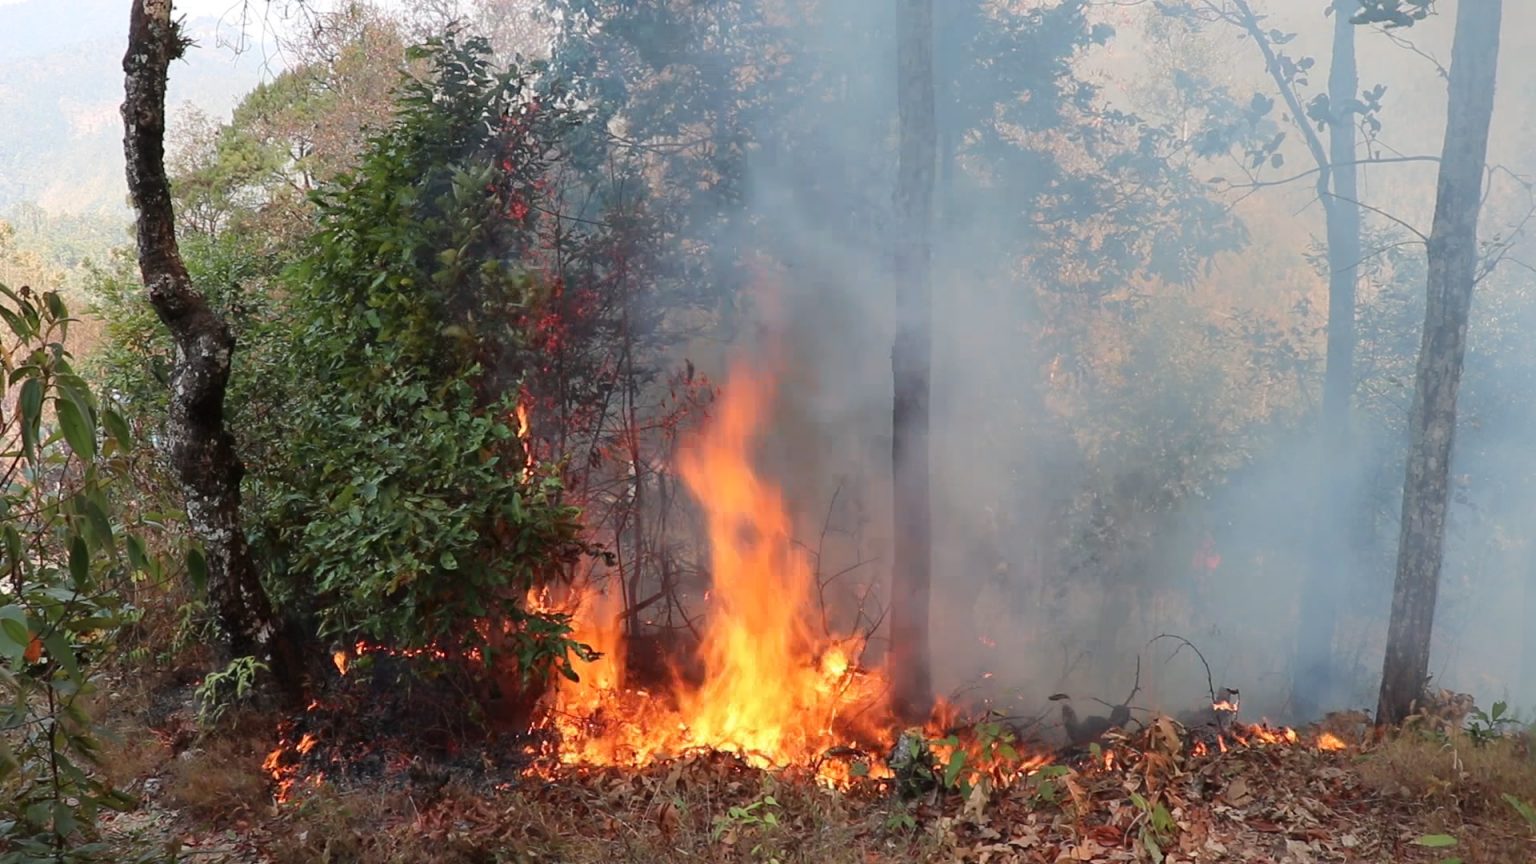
(1209,682)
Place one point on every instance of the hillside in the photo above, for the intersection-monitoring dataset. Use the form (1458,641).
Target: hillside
(60,88)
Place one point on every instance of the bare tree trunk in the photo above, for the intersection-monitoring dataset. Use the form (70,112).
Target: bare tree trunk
(1528,633)
(201,448)
(911,359)
(1452,272)
(1315,670)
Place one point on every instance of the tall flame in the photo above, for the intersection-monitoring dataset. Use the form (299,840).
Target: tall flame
(773,689)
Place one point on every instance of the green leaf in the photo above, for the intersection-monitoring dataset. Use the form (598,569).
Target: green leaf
(1525,810)
(63,653)
(953,769)
(101,525)
(12,542)
(77,429)
(197,568)
(64,819)
(117,427)
(14,635)
(79,562)
(138,555)
(1435,841)
(447,561)
(31,403)
(55,304)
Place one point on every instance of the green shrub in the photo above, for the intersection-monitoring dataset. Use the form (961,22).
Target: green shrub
(62,559)
(400,500)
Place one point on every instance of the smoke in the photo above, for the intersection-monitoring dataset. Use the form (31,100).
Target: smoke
(1125,385)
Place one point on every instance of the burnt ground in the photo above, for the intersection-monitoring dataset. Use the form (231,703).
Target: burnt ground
(374,787)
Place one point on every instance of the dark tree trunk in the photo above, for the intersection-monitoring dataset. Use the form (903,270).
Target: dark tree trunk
(1314,678)
(201,448)
(1452,272)
(911,358)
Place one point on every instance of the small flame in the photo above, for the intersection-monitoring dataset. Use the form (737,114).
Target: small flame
(340,659)
(1330,741)
(523,435)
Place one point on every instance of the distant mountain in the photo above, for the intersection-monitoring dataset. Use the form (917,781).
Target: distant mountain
(61,82)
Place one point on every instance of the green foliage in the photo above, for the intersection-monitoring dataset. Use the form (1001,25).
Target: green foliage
(61,561)
(397,494)
(134,360)
(376,379)
(1526,811)
(761,813)
(900,819)
(1437,841)
(912,763)
(226,688)
(1484,727)
(1156,827)
(1043,786)
(988,752)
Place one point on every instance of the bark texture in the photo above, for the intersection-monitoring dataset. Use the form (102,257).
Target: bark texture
(201,448)
(911,359)
(1452,273)
(1315,670)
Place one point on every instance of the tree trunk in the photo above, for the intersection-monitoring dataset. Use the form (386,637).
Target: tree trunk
(1314,680)
(911,358)
(1452,272)
(201,448)
(1528,632)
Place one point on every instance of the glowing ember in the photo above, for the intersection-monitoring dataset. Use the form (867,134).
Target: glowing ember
(773,690)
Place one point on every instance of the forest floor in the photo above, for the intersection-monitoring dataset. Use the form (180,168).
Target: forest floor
(1421,796)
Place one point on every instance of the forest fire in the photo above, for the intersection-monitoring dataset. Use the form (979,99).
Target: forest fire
(773,689)
(767,682)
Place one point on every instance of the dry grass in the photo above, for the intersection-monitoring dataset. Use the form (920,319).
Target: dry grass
(1461,783)
(220,782)
(465,826)
(129,757)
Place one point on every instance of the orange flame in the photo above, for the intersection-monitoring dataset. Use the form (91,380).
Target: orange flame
(523,436)
(1330,741)
(773,690)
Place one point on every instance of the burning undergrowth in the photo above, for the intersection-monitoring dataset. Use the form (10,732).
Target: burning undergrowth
(1262,791)
(767,687)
